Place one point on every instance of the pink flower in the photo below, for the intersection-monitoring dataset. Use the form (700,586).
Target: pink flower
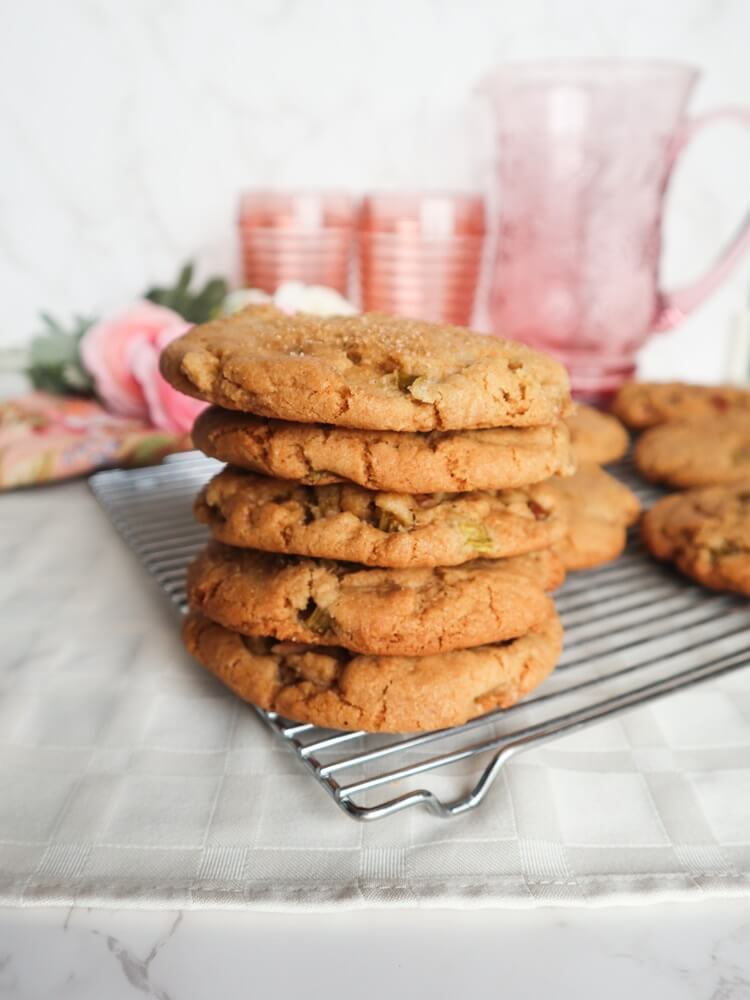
(121,354)
(169,409)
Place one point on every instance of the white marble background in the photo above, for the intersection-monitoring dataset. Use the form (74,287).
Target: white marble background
(668,951)
(128,129)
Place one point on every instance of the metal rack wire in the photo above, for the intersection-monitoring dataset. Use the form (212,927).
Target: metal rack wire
(635,631)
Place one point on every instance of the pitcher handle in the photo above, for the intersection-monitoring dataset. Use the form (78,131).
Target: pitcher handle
(676,305)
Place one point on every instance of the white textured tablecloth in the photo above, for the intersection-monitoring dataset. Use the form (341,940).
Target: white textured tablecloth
(129,776)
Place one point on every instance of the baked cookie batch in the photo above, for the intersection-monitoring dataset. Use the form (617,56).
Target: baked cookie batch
(399,500)
(695,438)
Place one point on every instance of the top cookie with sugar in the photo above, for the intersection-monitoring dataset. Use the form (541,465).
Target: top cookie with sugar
(371,371)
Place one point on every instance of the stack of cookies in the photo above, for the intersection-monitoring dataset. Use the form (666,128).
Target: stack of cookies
(597,507)
(695,438)
(598,510)
(383,535)
(596,436)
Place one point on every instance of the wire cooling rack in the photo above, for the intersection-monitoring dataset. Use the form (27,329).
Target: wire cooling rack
(634,631)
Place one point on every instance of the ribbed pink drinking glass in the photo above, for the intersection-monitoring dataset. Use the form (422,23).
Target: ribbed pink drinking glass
(584,156)
(419,255)
(297,236)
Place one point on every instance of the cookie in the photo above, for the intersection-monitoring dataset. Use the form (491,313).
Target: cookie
(599,510)
(707,453)
(646,404)
(438,462)
(411,612)
(596,436)
(348,522)
(706,533)
(336,689)
(372,371)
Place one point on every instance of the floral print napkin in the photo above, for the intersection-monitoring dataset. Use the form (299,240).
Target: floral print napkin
(45,438)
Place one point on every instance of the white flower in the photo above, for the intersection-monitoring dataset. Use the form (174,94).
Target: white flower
(236,301)
(292,297)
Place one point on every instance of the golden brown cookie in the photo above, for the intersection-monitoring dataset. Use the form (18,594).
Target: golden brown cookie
(410,612)
(646,404)
(344,521)
(371,371)
(439,462)
(706,533)
(599,509)
(336,689)
(596,436)
(706,453)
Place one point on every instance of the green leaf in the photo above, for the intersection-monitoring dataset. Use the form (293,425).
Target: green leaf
(186,276)
(54,362)
(194,306)
(207,304)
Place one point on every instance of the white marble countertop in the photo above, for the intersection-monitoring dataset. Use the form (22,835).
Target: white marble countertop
(666,952)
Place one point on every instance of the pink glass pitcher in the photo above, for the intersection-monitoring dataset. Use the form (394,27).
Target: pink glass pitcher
(584,153)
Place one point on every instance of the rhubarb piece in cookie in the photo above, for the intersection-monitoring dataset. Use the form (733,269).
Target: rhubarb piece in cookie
(706,533)
(438,462)
(337,689)
(371,371)
(391,611)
